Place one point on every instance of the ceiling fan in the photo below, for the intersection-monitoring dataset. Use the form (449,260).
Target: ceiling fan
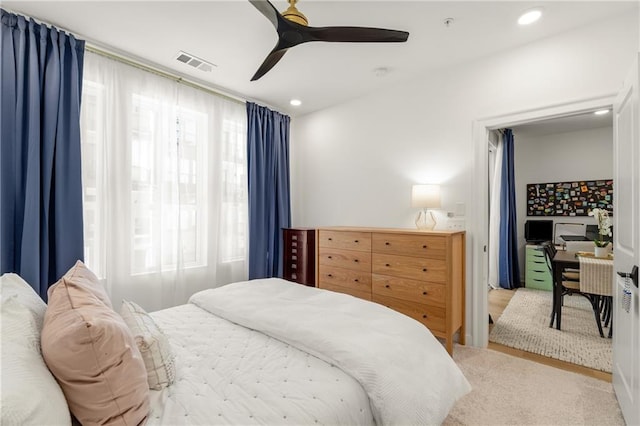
(292,27)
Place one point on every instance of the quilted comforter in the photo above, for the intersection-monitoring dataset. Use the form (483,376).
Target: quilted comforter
(407,374)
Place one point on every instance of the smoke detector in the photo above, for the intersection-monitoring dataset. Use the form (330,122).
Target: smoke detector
(194,61)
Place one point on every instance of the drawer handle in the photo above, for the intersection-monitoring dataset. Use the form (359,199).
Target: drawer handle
(387,286)
(330,239)
(329,257)
(424,269)
(294,276)
(294,266)
(329,275)
(424,316)
(356,260)
(294,237)
(538,280)
(356,241)
(538,271)
(424,293)
(356,280)
(386,264)
(424,246)
(387,243)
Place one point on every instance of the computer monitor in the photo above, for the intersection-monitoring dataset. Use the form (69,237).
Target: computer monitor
(537,231)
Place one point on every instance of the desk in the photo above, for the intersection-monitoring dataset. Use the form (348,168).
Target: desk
(561,261)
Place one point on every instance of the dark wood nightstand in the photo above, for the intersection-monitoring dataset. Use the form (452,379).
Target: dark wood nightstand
(299,256)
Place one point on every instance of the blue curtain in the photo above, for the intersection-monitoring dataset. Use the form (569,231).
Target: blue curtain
(508,268)
(40,175)
(269,205)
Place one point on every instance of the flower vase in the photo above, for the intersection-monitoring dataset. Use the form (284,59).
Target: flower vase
(601,251)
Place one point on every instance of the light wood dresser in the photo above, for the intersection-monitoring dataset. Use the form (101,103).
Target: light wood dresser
(418,273)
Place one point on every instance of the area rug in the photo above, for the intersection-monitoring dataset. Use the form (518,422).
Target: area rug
(524,325)
(512,391)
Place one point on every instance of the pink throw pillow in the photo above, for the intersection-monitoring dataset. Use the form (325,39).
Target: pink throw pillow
(91,352)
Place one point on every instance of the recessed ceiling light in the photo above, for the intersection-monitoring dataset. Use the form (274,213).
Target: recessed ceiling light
(295,102)
(601,112)
(530,16)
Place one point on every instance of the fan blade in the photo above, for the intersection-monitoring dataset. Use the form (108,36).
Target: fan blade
(267,9)
(271,59)
(356,34)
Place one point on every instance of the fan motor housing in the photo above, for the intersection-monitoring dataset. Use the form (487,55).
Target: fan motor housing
(294,15)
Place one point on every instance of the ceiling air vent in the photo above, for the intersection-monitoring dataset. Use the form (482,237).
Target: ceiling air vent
(194,61)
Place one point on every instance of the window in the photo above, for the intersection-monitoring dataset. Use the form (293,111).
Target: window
(164,178)
(233,241)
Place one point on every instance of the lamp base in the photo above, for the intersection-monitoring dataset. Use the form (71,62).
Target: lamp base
(425,220)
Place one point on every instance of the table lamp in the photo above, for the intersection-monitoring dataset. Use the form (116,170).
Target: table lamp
(425,197)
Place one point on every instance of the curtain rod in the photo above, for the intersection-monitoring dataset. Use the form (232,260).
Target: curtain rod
(94,48)
(144,67)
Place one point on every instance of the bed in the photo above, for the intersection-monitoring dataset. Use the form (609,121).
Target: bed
(256,352)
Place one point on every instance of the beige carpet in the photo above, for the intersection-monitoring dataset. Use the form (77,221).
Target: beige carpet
(514,391)
(524,324)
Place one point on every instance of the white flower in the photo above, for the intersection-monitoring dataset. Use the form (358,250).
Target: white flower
(604,226)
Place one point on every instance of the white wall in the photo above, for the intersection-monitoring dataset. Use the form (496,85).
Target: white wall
(354,164)
(559,157)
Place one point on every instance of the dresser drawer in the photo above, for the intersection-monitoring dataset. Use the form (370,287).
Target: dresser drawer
(536,255)
(431,246)
(537,265)
(359,241)
(416,268)
(350,259)
(414,291)
(535,269)
(330,275)
(296,267)
(431,316)
(540,280)
(295,236)
(362,294)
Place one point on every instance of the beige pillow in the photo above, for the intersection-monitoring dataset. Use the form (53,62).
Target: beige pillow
(153,345)
(91,352)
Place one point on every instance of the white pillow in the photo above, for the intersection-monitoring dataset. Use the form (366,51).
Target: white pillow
(30,393)
(152,343)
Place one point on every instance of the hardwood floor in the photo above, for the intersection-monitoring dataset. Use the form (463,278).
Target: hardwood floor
(498,301)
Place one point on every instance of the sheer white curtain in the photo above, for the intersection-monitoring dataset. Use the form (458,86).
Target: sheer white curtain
(164,181)
(495,181)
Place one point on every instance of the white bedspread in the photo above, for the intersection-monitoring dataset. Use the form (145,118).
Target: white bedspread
(227,374)
(407,374)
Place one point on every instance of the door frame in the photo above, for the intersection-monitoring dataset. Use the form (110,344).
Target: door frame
(477,303)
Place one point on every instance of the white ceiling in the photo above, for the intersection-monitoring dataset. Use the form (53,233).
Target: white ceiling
(236,37)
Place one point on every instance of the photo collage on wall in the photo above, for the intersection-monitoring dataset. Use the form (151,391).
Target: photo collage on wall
(569,198)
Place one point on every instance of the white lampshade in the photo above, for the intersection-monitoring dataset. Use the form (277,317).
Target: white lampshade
(425,196)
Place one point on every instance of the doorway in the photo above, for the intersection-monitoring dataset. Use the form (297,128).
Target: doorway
(565,149)
(478,297)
